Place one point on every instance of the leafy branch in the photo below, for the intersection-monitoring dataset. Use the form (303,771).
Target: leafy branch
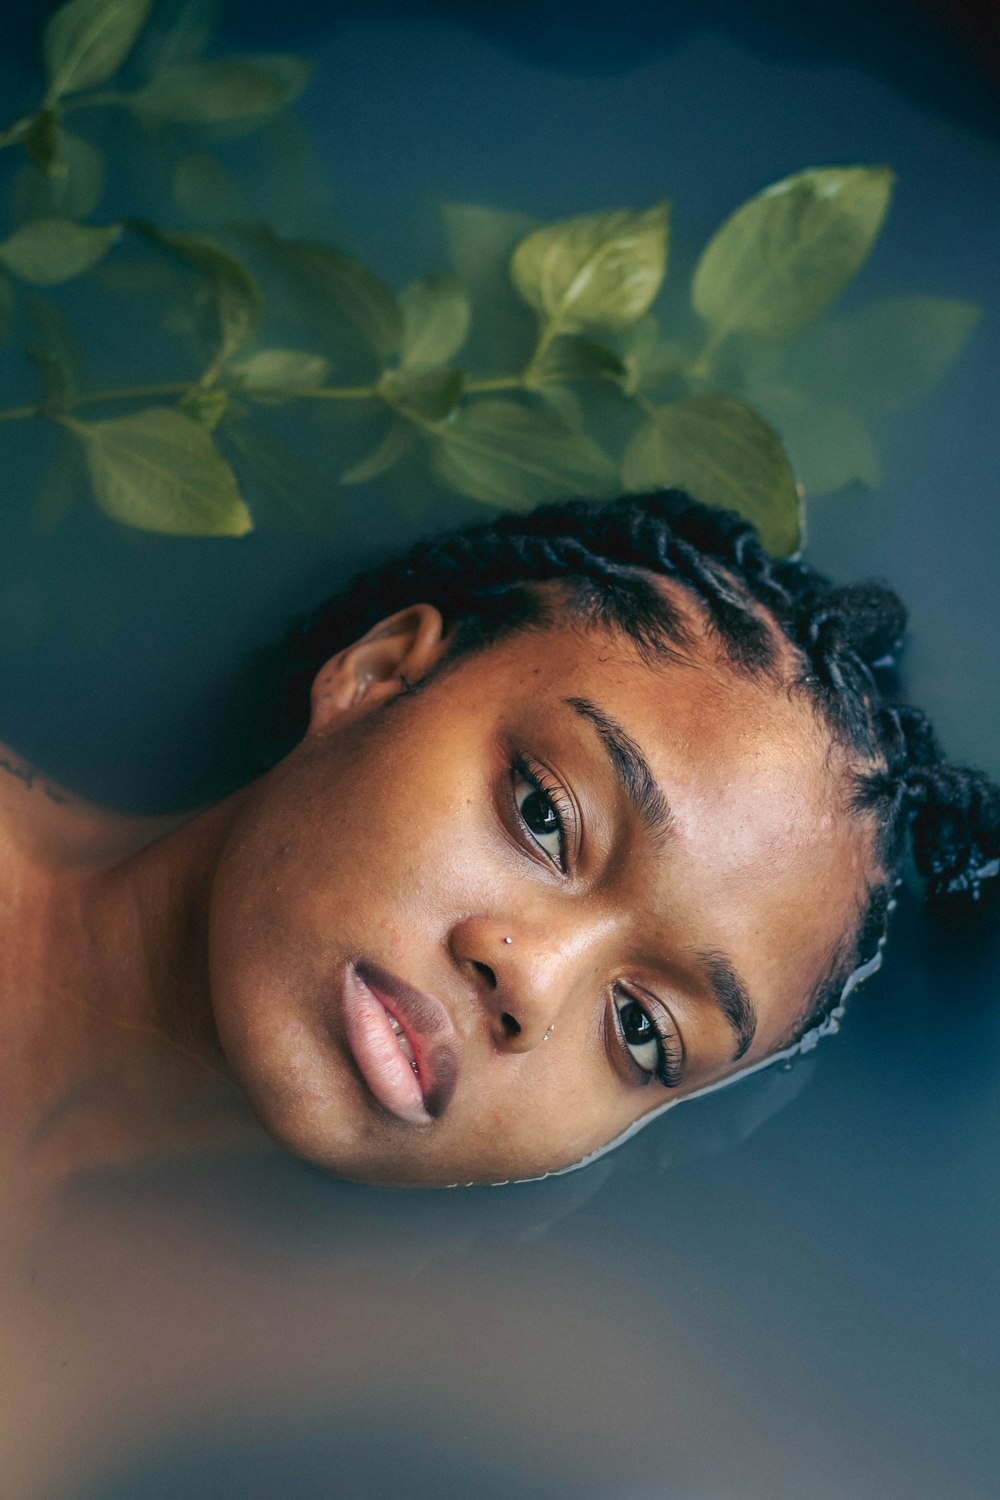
(744,393)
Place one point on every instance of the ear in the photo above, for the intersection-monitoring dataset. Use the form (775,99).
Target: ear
(390,658)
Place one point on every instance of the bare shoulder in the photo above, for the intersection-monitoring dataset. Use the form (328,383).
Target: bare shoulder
(45,820)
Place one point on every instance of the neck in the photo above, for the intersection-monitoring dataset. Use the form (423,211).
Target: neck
(117,1053)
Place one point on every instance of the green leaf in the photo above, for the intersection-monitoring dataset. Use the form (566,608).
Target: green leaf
(891,353)
(720,450)
(203,189)
(72,188)
(222,90)
(830,446)
(159,471)
(7,293)
(481,239)
(649,360)
(505,455)
(784,255)
(436,316)
(55,351)
(86,41)
(289,491)
(325,281)
(205,405)
(398,441)
(41,140)
(594,271)
(53,250)
(239,299)
(424,395)
(269,372)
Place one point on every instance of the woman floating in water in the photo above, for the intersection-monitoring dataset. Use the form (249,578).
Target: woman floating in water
(594,809)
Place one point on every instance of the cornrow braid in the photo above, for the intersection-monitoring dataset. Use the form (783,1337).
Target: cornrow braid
(482,580)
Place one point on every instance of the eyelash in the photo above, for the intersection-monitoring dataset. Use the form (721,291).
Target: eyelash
(670,1056)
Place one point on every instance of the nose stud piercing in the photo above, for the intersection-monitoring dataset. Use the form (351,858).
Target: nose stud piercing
(508,940)
(548,1031)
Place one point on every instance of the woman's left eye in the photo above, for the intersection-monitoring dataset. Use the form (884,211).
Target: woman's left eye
(538,811)
(638,1033)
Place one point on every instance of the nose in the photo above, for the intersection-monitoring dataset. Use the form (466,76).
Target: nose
(524,977)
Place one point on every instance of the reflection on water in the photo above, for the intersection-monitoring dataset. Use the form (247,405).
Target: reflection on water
(783,1291)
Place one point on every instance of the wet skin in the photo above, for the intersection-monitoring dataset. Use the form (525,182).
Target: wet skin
(413,833)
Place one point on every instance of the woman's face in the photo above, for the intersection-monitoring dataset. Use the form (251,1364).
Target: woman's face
(566,885)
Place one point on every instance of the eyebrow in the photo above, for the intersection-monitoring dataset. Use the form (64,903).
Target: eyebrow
(631,768)
(732,998)
(634,775)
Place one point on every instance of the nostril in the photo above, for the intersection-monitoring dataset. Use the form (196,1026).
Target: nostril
(486,972)
(510,1026)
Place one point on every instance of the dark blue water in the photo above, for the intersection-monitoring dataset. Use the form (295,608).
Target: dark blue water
(789,1290)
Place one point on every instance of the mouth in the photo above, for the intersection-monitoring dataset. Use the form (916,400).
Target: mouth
(402,1041)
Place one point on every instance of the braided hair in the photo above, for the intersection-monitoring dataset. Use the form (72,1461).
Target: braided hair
(844,639)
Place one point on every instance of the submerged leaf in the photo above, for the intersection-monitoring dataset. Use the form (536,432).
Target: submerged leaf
(205,405)
(239,299)
(324,281)
(270,371)
(593,271)
(71,190)
(785,254)
(830,446)
(424,395)
(53,250)
(580,359)
(436,316)
(204,189)
(55,351)
(481,240)
(506,455)
(398,441)
(86,41)
(7,293)
(288,490)
(892,352)
(160,471)
(720,450)
(222,90)
(41,139)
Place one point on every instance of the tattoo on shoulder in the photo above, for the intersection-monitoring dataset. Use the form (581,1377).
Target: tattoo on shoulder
(30,778)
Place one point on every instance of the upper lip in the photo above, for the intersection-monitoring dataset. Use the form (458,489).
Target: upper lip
(428,1029)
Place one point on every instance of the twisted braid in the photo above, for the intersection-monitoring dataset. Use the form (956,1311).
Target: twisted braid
(481,579)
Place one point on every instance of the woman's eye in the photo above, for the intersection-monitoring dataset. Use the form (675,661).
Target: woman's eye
(640,1035)
(540,816)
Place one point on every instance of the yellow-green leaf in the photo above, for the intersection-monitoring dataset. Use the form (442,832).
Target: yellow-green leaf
(593,271)
(48,251)
(222,90)
(436,316)
(239,299)
(723,453)
(784,255)
(580,359)
(269,373)
(86,41)
(160,471)
(425,395)
(398,441)
(503,454)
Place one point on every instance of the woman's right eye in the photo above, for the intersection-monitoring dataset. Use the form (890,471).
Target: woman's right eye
(539,812)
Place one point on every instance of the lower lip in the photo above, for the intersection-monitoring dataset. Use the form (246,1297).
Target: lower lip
(377,1053)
